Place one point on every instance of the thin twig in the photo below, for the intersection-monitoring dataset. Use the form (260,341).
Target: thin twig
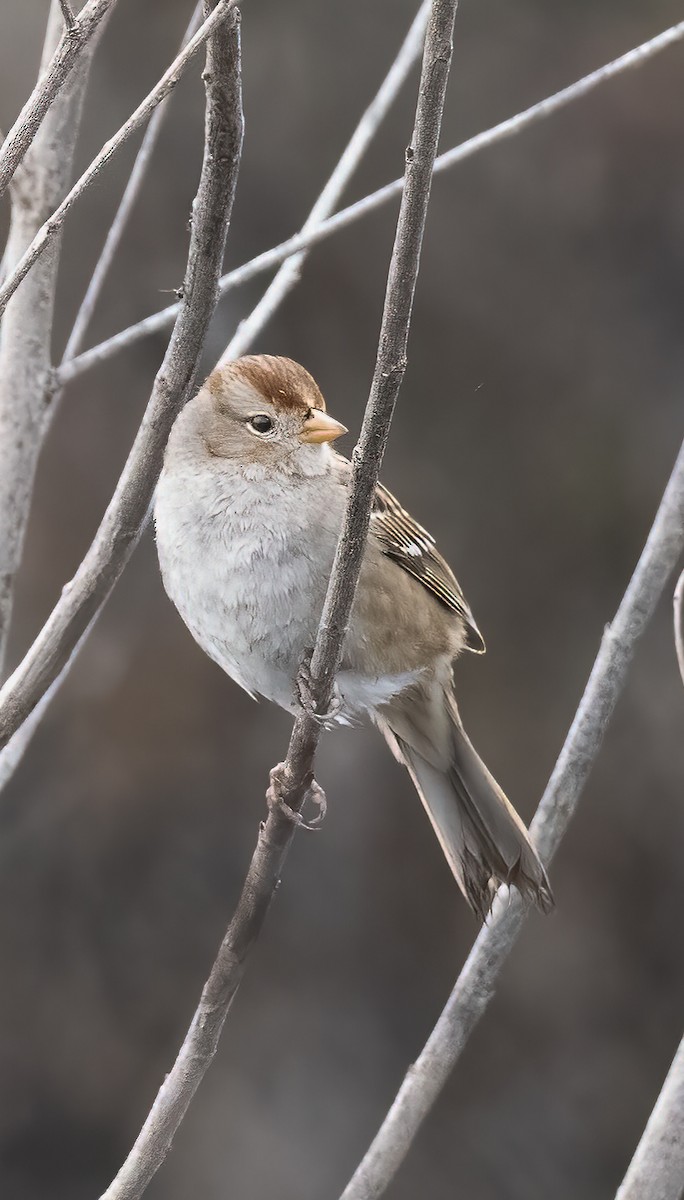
(477,981)
(678,615)
(657,1170)
(54,75)
(25,364)
(11,755)
(269,259)
(142,113)
(67,14)
(118,225)
(293,782)
(127,511)
(365,131)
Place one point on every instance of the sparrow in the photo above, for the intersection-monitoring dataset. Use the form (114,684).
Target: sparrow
(248,511)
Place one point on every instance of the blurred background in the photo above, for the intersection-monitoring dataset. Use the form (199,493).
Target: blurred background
(540,417)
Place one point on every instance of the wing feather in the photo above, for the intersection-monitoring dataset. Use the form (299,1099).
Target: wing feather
(409,545)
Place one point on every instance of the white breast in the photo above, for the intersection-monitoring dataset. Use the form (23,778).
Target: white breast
(246,559)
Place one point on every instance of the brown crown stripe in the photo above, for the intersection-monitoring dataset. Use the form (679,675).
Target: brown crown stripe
(281,380)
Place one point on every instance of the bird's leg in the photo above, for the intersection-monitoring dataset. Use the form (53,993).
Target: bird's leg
(314,793)
(306,700)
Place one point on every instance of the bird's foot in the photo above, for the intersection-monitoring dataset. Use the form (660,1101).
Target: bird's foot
(314,793)
(305,698)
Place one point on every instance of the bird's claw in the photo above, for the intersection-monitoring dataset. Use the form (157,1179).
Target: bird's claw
(314,793)
(306,700)
(317,796)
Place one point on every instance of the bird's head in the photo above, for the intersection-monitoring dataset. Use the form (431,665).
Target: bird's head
(267,411)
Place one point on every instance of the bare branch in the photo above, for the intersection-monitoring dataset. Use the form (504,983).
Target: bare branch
(25,337)
(477,981)
(391,191)
(144,110)
(371,120)
(69,18)
(127,511)
(135,181)
(11,755)
(290,785)
(54,75)
(678,606)
(657,1170)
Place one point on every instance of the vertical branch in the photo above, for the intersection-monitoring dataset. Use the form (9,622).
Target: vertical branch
(26,332)
(657,1170)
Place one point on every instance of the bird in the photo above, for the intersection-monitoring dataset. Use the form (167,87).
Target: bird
(248,510)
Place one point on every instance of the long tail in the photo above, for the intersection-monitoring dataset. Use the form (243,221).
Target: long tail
(481,834)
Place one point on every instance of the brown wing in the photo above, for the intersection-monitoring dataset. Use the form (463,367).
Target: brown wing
(413,548)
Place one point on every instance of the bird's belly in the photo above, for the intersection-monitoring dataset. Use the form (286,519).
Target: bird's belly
(248,625)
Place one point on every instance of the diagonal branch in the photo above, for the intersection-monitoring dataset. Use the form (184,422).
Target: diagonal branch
(370,121)
(142,113)
(72,48)
(127,511)
(291,784)
(657,1170)
(25,364)
(67,14)
(391,191)
(477,981)
(123,212)
(326,203)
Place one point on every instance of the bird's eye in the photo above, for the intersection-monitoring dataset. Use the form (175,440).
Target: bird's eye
(261,423)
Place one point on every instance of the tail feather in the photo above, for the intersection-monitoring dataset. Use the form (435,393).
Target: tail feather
(482,836)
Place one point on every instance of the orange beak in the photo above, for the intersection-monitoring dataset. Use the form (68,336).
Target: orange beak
(319,427)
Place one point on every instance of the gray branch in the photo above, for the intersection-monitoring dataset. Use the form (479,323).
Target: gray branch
(123,212)
(292,783)
(127,511)
(477,981)
(168,81)
(678,618)
(26,404)
(69,18)
(324,229)
(72,48)
(657,1170)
